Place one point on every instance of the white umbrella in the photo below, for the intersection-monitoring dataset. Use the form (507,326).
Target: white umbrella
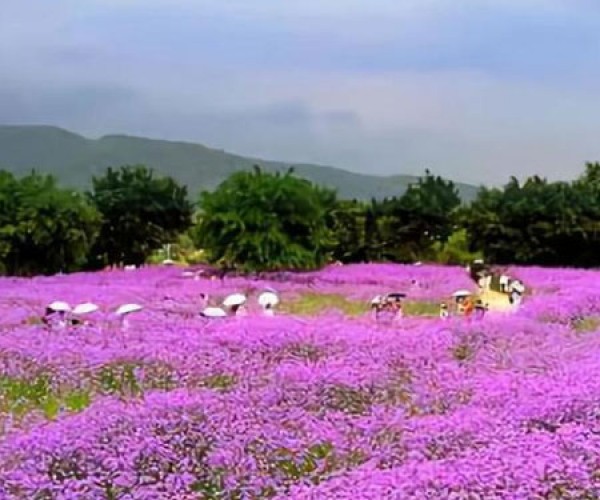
(236,299)
(268,299)
(168,262)
(376,300)
(59,306)
(85,308)
(128,308)
(461,293)
(213,312)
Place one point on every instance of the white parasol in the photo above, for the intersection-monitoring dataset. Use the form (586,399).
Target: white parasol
(462,293)
(236,299)
(128,308)
(376,300)
(268,299)
(59,306)
(213,312)
(85,308)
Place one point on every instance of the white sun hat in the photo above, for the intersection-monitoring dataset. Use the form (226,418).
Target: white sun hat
(268,299)
(128,308)
(85,308)
(213,312)
(236,299)
(59,306)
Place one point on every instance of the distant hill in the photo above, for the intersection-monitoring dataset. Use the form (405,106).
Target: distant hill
(74,159)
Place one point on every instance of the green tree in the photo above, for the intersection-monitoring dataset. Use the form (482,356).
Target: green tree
(258,221)
(349,226)
(538,222)
(43,228)
(140,213)
(410,225)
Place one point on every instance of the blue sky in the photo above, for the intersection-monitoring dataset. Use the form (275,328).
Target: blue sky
(477,90)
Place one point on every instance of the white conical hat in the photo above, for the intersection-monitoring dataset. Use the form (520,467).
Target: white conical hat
(268,299)
(235,299)
(85,308)
(59,306)
(129,308)
(214,312)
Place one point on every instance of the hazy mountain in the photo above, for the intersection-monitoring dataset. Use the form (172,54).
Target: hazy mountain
(75,159)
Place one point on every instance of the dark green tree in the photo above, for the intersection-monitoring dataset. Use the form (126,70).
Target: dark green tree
(423,216)
(140,212)
(349,226)
(258,221)
(43,229)
(538,222)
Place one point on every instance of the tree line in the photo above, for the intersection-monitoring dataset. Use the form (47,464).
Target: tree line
(257,221)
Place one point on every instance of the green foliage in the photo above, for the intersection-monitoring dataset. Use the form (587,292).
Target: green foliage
(258,221)
(422,217)
(310,304)
(455,251)
(539,222)
(140,212)
(37,218)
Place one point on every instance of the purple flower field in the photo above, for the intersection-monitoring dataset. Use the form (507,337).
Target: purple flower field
(300,406)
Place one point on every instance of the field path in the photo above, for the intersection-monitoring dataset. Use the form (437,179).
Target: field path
(498,302)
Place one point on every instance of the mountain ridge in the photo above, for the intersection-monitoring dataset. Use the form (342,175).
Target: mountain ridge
(74,159)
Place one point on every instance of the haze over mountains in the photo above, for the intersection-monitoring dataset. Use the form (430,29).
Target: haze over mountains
(74,159)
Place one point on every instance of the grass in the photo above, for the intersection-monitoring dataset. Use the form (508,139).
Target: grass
(311,304)
(19,397)
(587,324)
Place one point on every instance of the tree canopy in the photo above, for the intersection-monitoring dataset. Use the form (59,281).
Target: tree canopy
(43,229)
(140,212)
(539,222)
(259,221)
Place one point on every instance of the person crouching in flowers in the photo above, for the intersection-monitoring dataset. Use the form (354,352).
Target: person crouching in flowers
(480,310)
(396,308)
(444,313)
(468,308)
(376,307)
(239,310)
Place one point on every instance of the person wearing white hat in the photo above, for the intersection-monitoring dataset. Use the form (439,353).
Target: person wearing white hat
(124,311)
(56,314)
(376,306)
(235,303)
(268,300)
(81,310)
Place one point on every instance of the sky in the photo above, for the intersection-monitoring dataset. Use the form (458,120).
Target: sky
(475,90)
